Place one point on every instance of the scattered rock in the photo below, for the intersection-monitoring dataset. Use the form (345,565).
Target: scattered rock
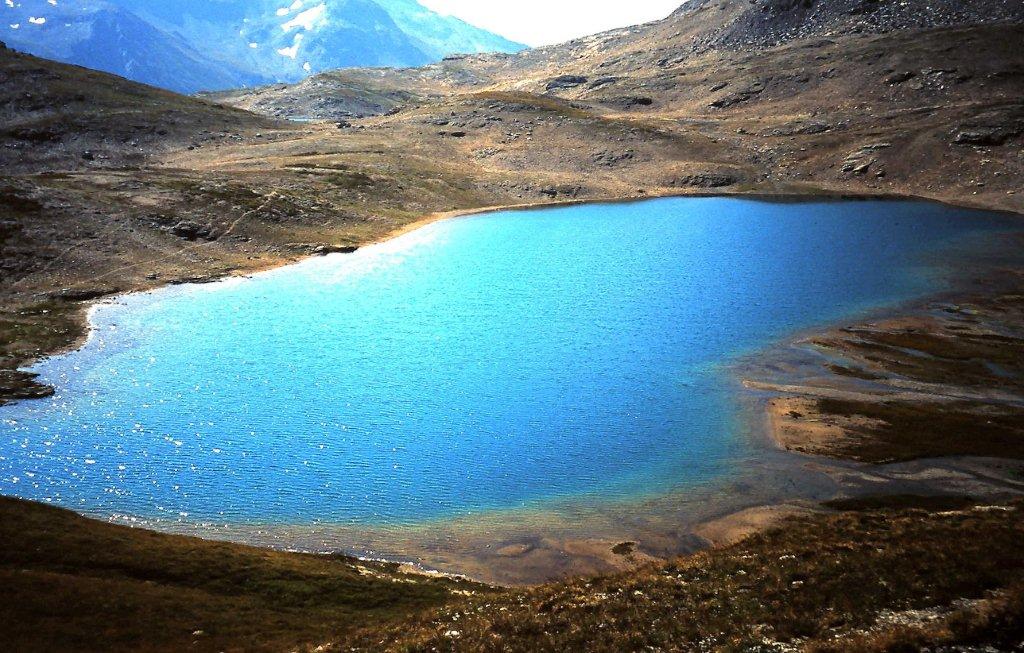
(802,129)
(859,162)
(611,159)
(564,190)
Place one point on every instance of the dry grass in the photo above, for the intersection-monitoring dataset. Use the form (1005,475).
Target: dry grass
(73,584)
(905,430)
(804,584)
(853,581)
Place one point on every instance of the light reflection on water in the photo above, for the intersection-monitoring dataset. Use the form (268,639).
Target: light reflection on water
(487,363)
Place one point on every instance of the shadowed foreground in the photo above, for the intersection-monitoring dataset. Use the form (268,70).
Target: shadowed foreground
(886,574)
(74,584)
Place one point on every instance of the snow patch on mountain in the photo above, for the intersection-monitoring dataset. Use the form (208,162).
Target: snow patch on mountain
(308,19)
(191,45)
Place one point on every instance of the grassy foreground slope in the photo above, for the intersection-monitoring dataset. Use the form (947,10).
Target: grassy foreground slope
(887,575)
(74,584)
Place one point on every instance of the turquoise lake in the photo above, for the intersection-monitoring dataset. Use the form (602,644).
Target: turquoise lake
(492,362)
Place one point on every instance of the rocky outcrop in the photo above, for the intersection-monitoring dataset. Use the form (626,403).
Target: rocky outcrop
(193,230)
(16,386)
(630,102)
(987,135)
(566,81)
(84,294)
(562,190)
(767,23)
(704,180)
(739,97)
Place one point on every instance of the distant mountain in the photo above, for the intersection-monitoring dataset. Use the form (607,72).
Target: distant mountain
(103,36)
(440,36)
(192,45)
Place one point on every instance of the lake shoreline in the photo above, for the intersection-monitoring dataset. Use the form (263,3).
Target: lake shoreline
(718,529)
(79,310)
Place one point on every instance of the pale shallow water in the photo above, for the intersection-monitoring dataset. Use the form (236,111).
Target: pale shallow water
(489,363)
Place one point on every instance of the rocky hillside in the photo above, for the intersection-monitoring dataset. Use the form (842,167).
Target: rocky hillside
(650,68)
(933,111)
(57,117)
(768,23)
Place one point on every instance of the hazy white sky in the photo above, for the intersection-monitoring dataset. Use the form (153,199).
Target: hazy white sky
(543,22)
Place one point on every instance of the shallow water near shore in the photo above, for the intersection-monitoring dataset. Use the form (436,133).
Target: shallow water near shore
(494,363)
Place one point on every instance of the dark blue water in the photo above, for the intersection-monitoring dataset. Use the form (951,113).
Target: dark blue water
(482,363)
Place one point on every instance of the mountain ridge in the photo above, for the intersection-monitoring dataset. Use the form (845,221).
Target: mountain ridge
(188,46)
